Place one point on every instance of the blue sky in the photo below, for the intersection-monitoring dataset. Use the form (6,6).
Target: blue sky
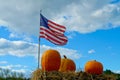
(93,29)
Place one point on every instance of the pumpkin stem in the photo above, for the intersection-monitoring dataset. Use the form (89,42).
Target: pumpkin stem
(65,56)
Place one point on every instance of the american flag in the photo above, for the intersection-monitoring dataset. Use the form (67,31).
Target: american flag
(52,31)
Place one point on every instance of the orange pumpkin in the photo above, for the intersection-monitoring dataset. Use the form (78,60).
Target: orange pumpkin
(93,67)
(67,65)
(50,60)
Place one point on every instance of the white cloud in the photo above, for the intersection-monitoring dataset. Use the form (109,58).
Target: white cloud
(23,48)
(13,66)
(83,16)
(117,71)
(17,48)
(5,67)
(3,23)
(73,54)
(24,37)
(89,16)
(91,51)
(3,62)
(16,68)
(70,35)
(19,70)
(20,16)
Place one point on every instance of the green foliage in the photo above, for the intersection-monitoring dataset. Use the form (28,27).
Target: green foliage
(107,71)
(110,73)
(6,74)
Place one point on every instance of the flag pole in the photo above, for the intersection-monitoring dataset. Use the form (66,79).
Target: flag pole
(39,49)
(39,53)
(39,60)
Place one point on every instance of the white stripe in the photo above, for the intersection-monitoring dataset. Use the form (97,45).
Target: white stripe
(51,40)
(56,26)
(52,35)
(63,37)
(61,41)
(59,32)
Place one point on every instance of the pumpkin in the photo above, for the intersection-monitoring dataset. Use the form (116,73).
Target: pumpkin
(50,60)
(93,67)
(67,65)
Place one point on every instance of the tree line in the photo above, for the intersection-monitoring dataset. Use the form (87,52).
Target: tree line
(6,74)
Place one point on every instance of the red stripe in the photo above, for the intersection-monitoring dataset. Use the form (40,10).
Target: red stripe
(62,38)
(51,39)
(57,39)
(45,33)
(56,29)
(57,24)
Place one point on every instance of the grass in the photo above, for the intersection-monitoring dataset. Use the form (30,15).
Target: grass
(38,74)
(55,75)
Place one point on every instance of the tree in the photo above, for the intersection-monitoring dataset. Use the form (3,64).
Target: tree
(107,71)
